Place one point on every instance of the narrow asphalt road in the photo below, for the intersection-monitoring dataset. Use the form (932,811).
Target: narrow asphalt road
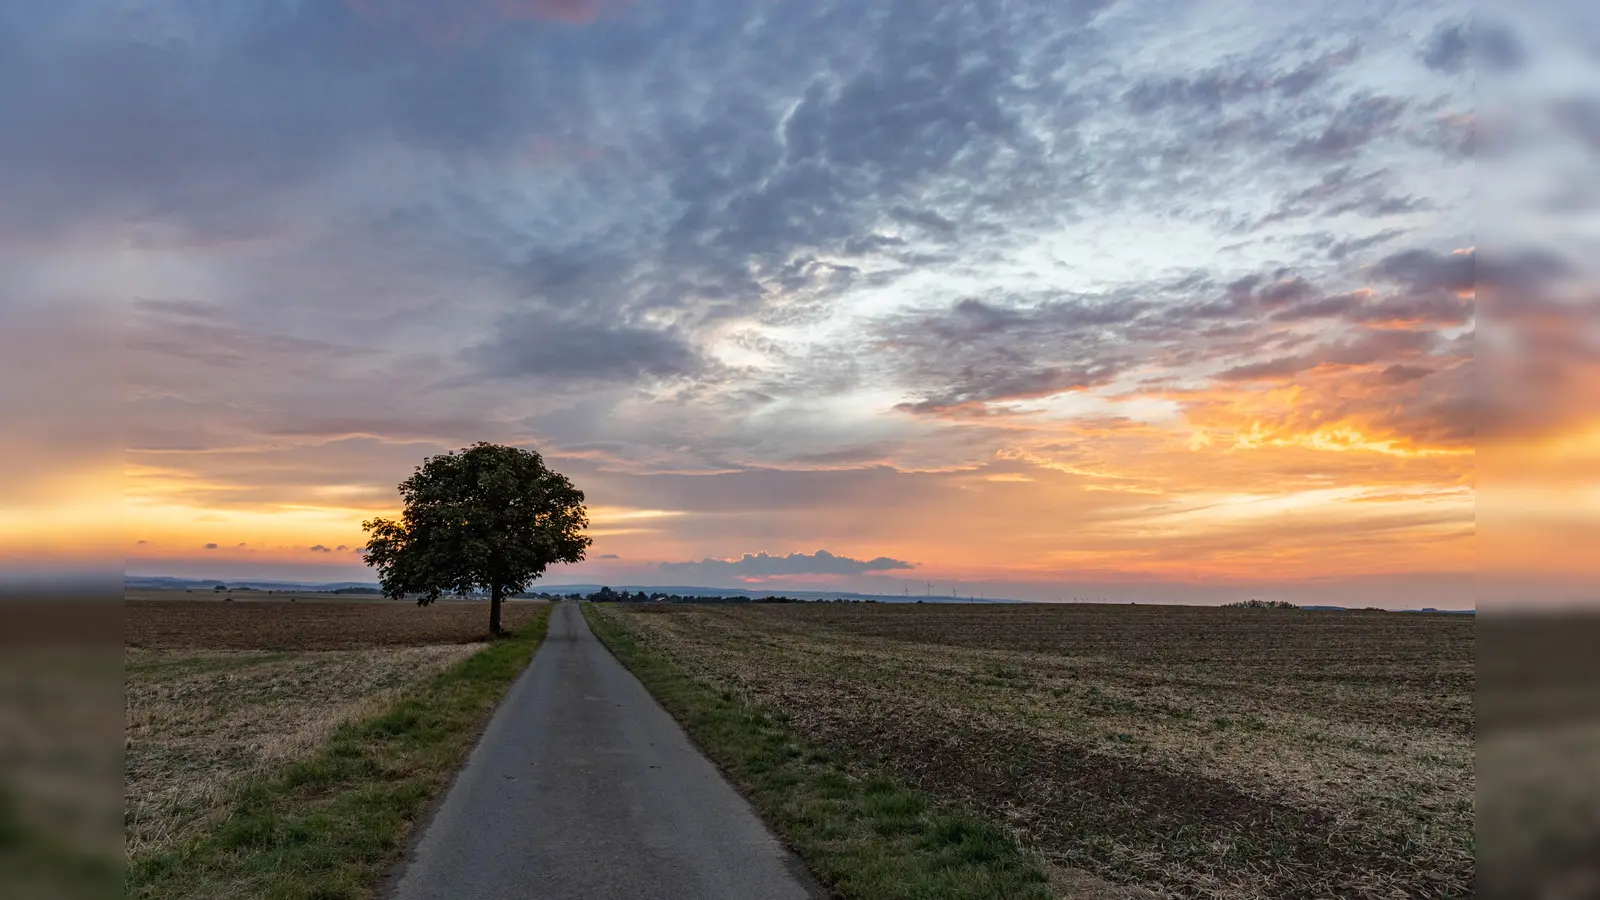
(584,788)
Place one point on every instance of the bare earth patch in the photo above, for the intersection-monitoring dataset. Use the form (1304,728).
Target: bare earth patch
(198,723)
(1193,752)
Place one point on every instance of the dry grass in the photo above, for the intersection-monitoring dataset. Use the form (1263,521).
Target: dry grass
(199,724)
(317,809)
(1196,752)
(218,691)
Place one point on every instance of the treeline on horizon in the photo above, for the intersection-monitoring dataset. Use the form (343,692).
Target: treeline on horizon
(604,595)
(607,595)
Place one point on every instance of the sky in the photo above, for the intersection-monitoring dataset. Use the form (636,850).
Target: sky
(1035,299)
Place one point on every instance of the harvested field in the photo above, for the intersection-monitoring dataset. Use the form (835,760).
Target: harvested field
(200,723)
(213,624)
(1195,752)
(218,692)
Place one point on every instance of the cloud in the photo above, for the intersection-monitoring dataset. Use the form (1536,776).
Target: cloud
(341,548)
(318,548)
(1340,249)
(543,344)
(760,565)
(766,226)
(608,556)
(978,353)
(1366,349)
(1362,120)
(1424,270)
(1342,191)
(1215,88)
(1449,48)
(1454,46)
(211,546)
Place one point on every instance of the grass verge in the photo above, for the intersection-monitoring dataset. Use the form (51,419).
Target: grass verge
(864,835)
(329,826)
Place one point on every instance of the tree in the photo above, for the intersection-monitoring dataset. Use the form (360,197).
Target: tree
(487,518)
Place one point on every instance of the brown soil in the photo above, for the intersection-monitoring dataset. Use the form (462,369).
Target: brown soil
(214,624)
(1192,752)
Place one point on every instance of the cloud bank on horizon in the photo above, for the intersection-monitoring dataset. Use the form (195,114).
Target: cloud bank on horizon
(1026,292)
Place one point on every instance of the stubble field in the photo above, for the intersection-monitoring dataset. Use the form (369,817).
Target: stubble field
(218,693)
(1192,752)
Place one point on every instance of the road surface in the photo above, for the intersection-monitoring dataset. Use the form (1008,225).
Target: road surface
(584,788)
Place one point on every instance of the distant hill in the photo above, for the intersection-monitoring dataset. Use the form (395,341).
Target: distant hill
(157,582)
(691,591)
(161,582)
(148,582)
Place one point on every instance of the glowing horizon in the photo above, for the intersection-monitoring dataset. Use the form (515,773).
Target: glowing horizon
(1032,297)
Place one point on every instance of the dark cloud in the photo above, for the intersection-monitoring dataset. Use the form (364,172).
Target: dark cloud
(1289,290)
(548,345)
(1372,347)
(756,565)
(1340,249)
(1341,191)
(1215,88)
(1361,121)
(1443,310)
(211,546)
(142,126)
(1449,48)
(980,352)
(1425,270)
(1332,306)
(1359,307)
(1455,46)
(1400,374)
(933,99)
(318,548)
(976,389)
(608,556)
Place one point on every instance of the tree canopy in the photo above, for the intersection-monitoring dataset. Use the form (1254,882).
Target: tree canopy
(487,518)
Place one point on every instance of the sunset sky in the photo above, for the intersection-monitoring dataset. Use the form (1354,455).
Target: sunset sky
(1034,299)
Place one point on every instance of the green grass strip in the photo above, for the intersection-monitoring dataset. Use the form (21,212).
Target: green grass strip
(331,826)
(864,837)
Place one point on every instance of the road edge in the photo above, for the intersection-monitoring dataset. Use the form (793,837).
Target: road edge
(865,836)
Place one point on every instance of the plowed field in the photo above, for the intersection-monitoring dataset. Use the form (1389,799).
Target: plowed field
(211,624)
(1196,752)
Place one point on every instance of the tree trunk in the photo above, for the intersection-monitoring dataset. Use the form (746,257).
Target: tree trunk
(494,612)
